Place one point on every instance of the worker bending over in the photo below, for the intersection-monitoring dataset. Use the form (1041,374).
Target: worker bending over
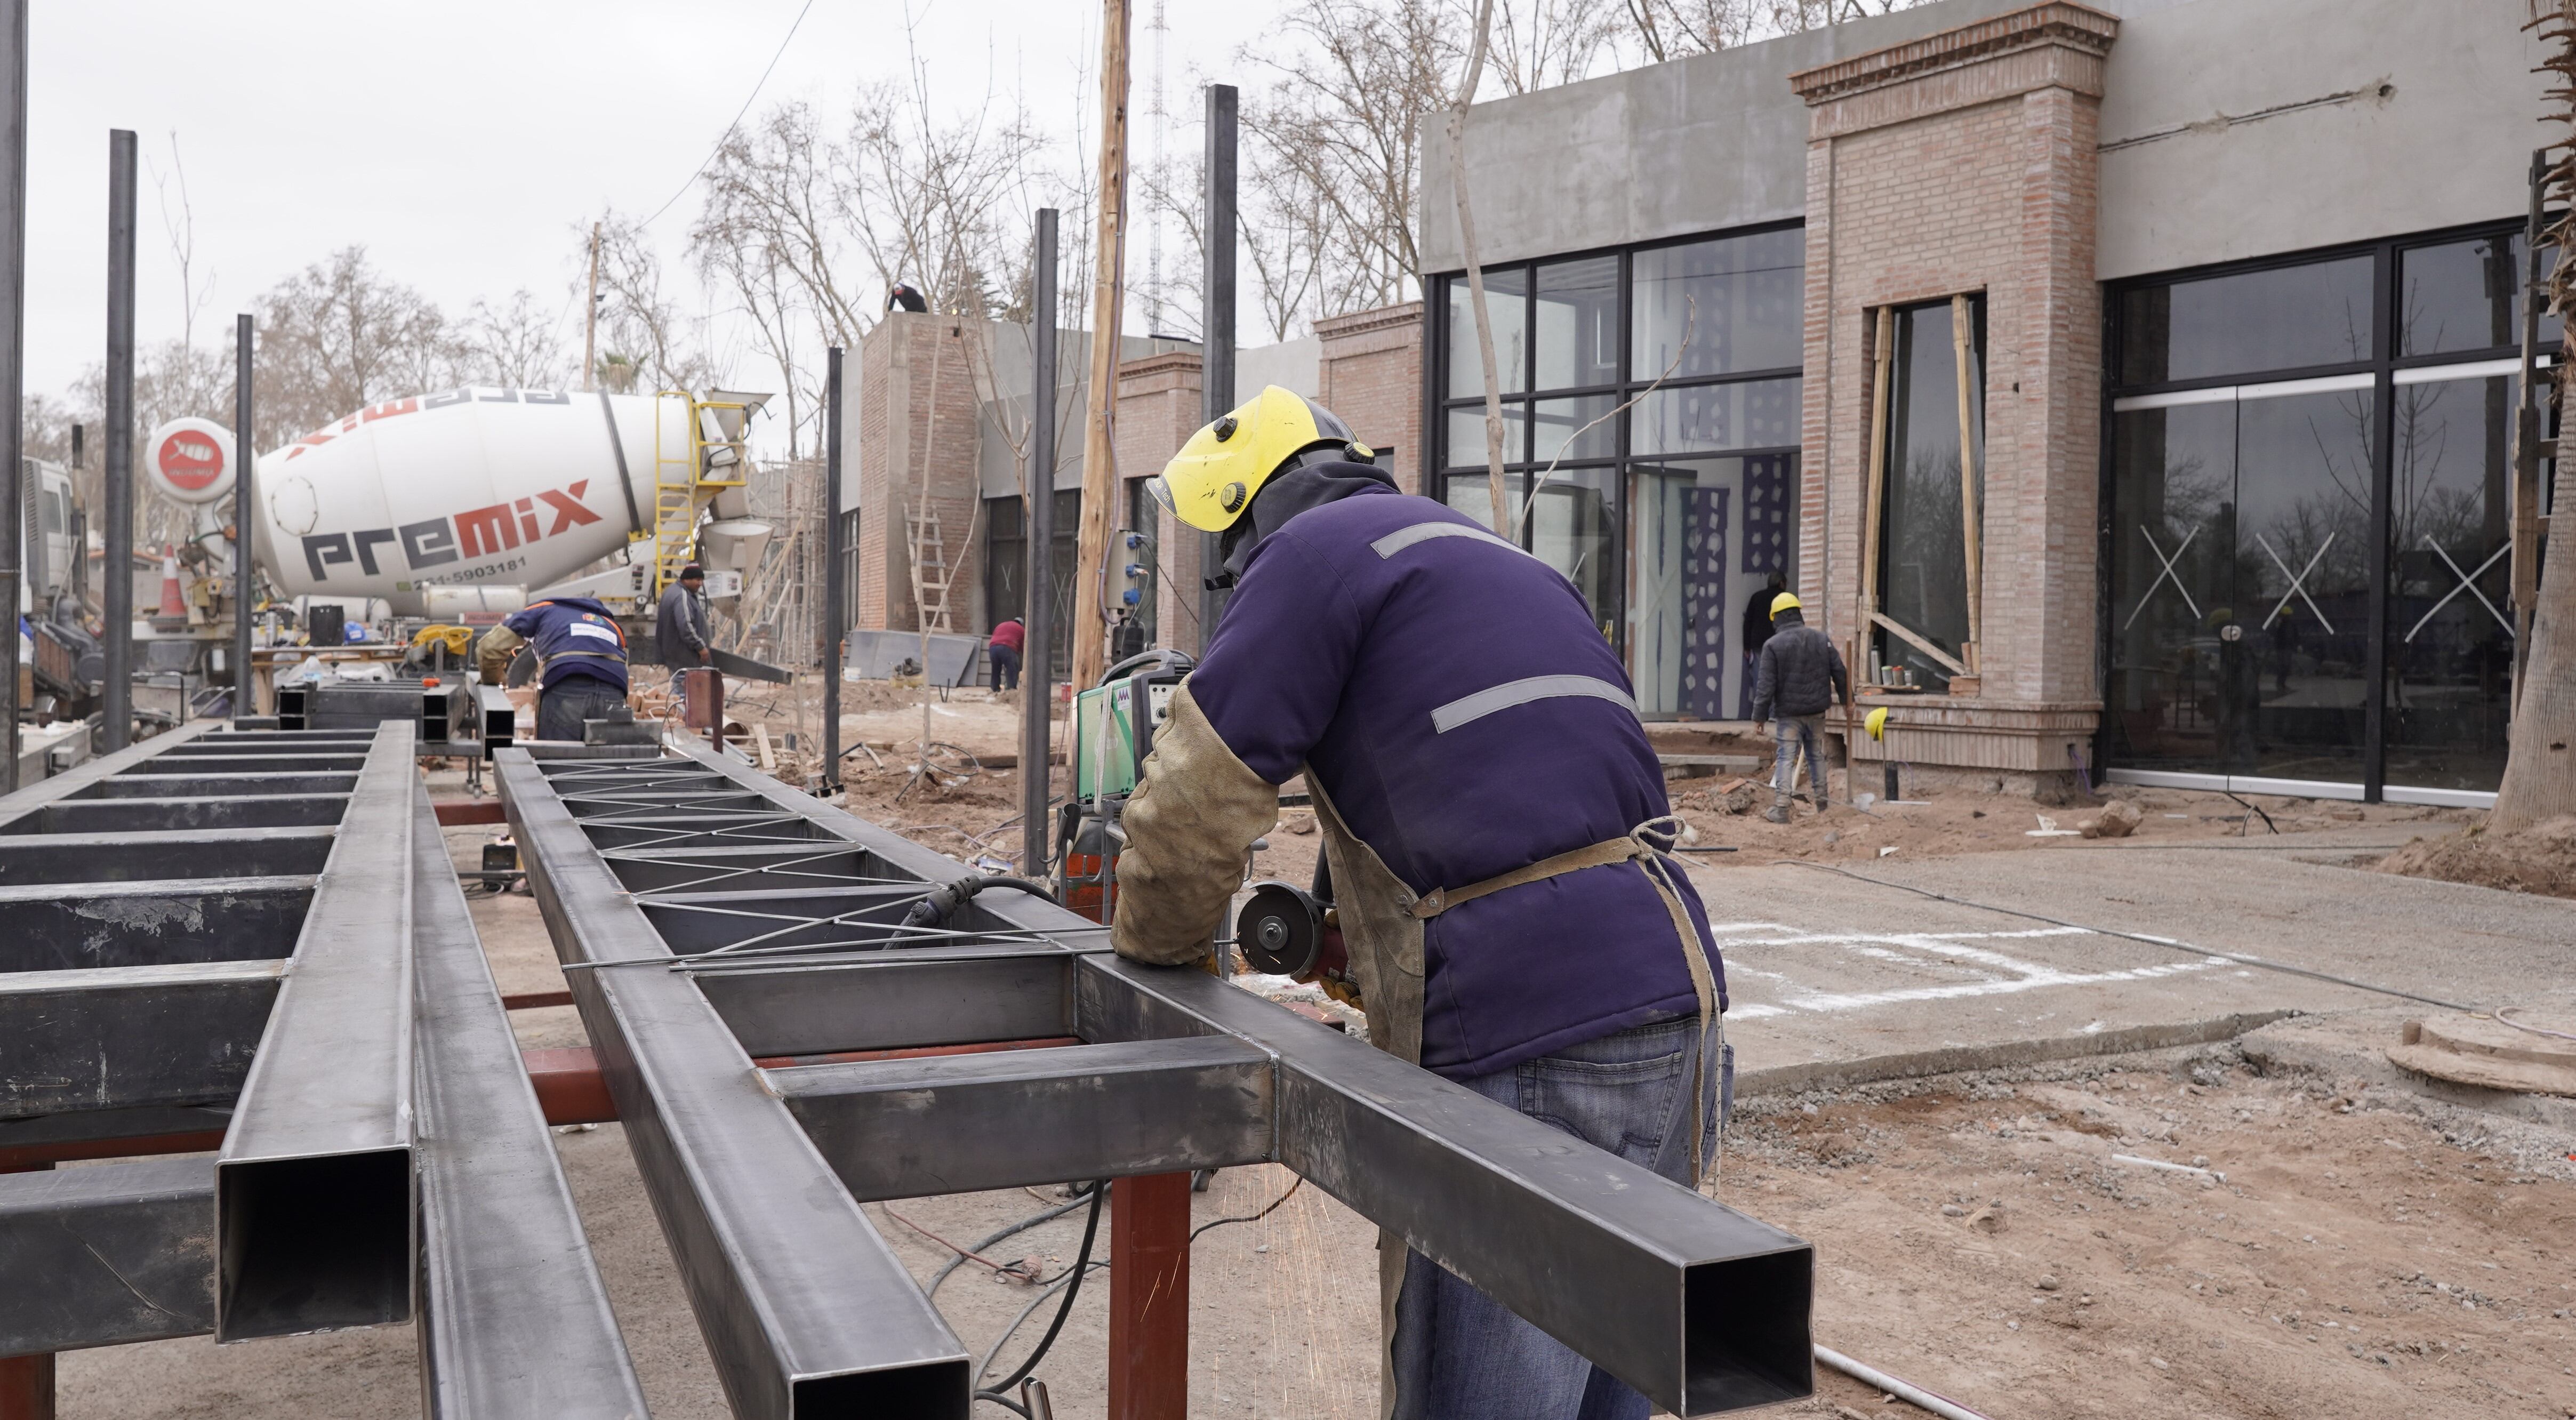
(1800,677)
(1492,814)
(581,661)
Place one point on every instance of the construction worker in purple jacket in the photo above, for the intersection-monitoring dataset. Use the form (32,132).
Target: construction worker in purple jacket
(1494,821)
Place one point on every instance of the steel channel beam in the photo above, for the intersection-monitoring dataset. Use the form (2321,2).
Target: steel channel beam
(228,785)
(1700,1308)
(176,853)
(80,776)
(126,1037)
(805,1309)
(284,742)
(314,1185)
(52,927)
(964,1123)
(107,1254)
(129,815)
(515,1322)
(184,761)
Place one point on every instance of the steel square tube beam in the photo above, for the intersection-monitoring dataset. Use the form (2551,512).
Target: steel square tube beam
(157,785)
(514,1320)
(81,926)
(1699,1307)
(804,1308)
(698,830)
(314,1197)
(963,1123)
(283,742)
(106,1254)
(915,997)
(124,1037)
(19,805)
(183,761)
(174,853)
(108,1133)
(131,815)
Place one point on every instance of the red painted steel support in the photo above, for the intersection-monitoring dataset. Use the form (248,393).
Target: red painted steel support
(1149,1297)
(455,813)
(27,1382)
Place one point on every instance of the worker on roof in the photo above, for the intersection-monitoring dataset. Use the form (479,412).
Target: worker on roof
(1798,678)
(1492,820)
(581,661)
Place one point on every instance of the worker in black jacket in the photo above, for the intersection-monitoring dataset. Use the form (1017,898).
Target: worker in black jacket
(1800,679)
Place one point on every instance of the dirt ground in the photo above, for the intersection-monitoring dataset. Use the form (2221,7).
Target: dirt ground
(2541,859)
(2365,1256)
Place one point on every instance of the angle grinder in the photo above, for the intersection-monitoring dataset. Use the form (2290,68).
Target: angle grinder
(1284,930)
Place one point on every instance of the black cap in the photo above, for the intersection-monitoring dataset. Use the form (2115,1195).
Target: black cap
(692,570)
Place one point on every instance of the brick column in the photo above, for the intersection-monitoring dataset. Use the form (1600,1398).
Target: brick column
(1371,374)
(909,358)
(1964,163)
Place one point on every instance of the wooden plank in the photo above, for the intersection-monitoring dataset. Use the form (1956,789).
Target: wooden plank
(1948,662)
(1876,482)
(1970,512)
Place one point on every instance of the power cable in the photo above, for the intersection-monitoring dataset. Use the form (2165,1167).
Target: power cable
(1251,1217)
(1072,1283)
(737,118)
(2168,944)
(1022,1226)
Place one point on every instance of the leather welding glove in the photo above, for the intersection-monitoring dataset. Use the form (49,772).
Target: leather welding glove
(1192,817)
(493,654)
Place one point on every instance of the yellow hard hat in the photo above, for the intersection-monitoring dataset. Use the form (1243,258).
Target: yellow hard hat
(1211,480)
(1786,601)
(1876,724)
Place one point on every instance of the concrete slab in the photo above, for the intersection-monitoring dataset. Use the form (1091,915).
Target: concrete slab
(1846,975)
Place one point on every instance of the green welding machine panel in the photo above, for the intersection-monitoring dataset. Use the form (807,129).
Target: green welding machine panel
(1106,752)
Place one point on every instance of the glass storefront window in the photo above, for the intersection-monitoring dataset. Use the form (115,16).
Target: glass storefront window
(1574,428)
(1692,419)
(1469,493)
(2464,296)
(1736,301)
(2173,494)
(1466,440)
(1507,309)
(2285,318)
(1571,531)
(1707,538)
(2294,671)
(1578,324)
(2450,656)
(1923,565)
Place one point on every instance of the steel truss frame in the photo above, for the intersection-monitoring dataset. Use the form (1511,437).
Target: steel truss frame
(286,958)
(710,916)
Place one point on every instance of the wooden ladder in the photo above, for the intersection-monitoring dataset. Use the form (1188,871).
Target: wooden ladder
(929,553)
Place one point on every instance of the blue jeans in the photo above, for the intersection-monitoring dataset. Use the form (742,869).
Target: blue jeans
(1793,734)
(562,706)
(1458,1354)
(1006,666)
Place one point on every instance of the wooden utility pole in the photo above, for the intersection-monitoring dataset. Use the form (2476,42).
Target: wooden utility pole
(590,329)
(1108,301)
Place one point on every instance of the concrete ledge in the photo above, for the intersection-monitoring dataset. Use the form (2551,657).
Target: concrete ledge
(2353,1046)
(1952,1060)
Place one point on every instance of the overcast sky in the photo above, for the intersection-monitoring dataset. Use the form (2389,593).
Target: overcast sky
(463,144)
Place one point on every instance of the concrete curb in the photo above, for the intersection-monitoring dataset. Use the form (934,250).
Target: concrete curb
(2332,1047)
(1959,1059)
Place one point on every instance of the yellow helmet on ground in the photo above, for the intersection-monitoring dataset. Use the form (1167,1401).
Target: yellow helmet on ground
(1786,601)
(1212,479)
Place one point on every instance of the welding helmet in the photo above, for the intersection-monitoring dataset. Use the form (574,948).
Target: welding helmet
(1213,478)
(1786,601)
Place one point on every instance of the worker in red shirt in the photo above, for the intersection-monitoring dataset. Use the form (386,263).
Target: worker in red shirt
(1003,651)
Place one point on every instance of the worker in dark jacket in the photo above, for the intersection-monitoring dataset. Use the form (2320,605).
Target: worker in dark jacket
(680,621)
(1492,816)
(1800,678)
(1757,632)
(581,661)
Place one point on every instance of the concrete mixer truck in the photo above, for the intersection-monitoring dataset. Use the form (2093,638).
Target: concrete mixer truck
(478,499)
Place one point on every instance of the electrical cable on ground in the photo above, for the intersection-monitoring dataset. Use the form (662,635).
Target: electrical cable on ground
(2167,943)
(931,1288)
(1001,1269)
(1251,1217)
(2267,818)
(1072,1284)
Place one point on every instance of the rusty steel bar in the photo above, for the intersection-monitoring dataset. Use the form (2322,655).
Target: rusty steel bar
(1149,1297)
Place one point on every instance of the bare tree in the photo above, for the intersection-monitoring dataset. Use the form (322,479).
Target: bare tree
(518,345)
(1539,44)
(338,336)
(1671,29)
(655,346)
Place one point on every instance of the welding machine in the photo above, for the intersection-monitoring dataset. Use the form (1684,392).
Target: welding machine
(1112,730)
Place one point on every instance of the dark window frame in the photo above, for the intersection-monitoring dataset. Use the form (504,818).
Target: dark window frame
(2387,255)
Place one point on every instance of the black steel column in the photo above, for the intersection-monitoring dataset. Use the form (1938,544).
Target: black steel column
(245,686)
(1037,622)
(2375,673)
(1216,323)
(834,594)
(117,591)
(13,366)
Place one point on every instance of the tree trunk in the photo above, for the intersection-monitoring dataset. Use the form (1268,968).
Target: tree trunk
(1108,302)
(1495,484)
(2540,767)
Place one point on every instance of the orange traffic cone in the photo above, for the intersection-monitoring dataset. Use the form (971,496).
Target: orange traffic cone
(173,602)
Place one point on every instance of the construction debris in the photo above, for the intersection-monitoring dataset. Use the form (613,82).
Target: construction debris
(2535,1054)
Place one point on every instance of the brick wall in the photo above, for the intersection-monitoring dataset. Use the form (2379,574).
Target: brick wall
(1371,376)
(1965,163)
(905,364)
